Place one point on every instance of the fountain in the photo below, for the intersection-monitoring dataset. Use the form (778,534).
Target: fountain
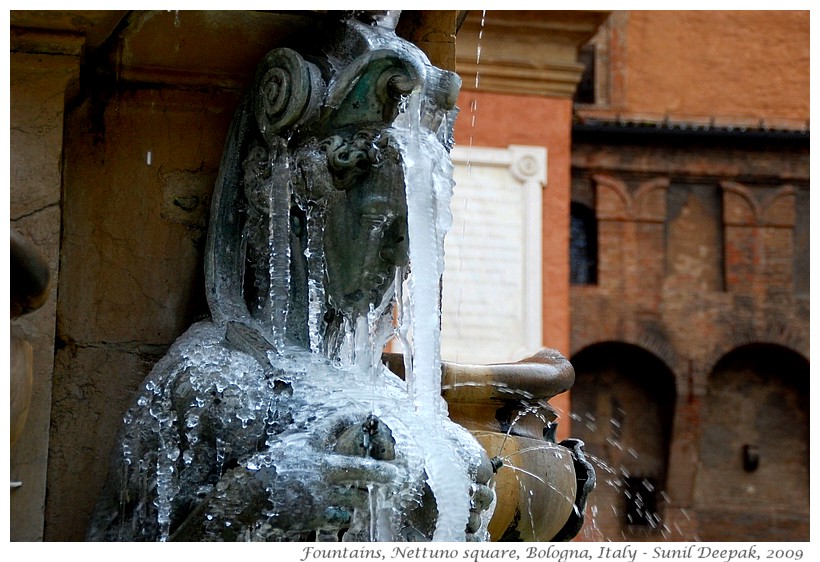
(277,418)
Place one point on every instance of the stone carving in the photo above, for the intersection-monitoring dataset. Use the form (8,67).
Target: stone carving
(275,419)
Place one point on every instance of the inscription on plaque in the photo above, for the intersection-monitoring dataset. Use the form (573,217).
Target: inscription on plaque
(491,294)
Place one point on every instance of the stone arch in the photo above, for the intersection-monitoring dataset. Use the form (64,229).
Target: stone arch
(753,448)
(623,404)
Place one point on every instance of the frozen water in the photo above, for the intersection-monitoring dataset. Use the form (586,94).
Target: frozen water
(238,414)
(429,187)
(279,249)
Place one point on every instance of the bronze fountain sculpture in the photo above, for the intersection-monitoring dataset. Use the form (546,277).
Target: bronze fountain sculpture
(277,418)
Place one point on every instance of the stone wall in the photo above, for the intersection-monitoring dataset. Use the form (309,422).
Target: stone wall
(37,92)
(134,217)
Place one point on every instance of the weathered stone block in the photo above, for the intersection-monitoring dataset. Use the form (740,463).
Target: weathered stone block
(94,385)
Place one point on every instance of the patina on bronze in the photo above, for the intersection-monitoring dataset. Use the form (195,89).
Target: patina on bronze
(256,425)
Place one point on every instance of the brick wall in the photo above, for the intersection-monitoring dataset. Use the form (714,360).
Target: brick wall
(701,257)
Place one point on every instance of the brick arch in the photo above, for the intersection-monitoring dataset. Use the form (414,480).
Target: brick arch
(656,347)
(624,404)
(616,202)
(613,198)
(755,435)
(647,340)
(645,347)
(759,344)
(739,206)
(774,331)
(663,350)
(777,208)
(647,202)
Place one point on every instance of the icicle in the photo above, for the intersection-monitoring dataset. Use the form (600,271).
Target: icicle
(404,323)
(164,418)
(428,177)
(279,246)
(315,256)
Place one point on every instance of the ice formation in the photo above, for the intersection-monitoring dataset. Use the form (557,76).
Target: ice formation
(276,419)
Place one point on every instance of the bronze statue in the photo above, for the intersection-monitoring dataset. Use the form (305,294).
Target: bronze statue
(275,419)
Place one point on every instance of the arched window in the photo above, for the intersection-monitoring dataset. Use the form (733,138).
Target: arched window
(583,245)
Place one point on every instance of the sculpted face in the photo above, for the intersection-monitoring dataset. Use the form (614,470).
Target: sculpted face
(366,228)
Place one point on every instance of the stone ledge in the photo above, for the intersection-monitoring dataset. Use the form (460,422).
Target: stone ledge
(514,77)
(46,42)
(524,52)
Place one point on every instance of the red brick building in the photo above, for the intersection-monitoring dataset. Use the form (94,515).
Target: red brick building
(690,275)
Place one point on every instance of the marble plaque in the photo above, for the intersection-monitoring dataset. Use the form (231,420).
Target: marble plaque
(491,294)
